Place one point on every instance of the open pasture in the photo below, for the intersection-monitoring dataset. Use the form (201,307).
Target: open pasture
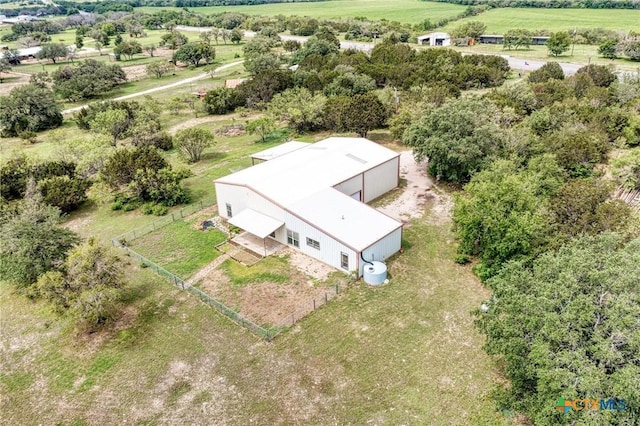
(500,20)
(411,11)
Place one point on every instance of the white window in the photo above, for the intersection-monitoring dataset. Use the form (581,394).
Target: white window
(293,238)
(229,211)
(344,261)
(313,243)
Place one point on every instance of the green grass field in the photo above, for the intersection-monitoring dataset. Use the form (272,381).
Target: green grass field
(500,20)
(411,11)
(180,247)
(405,353)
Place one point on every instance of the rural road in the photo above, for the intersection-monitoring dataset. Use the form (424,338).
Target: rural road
(160,88)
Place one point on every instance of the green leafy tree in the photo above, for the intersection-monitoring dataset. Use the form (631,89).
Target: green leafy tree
(221,100)
(599,74)
(550,70)
(112,122)
(608,48)
(33,242)
(52,51)
(261,126)
(558,43)
(472,29)
(79,41)
(301,110)
(65,192)
(128,49)
(86,80)
(629,48)
(500,216)
(117,40)
(173,40)
(120,169)
(159,69)
(567,327)
(517,38)
(29,108)
(192,142)
(459,138)
(359,113)
(89,287)
(583,206)
(193,53)
(577,148)
(236,36)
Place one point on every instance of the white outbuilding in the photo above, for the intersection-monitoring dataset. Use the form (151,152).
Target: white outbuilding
(435,39)
(313,197)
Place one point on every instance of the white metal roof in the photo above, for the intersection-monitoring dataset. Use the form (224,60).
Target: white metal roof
(277,151)
(255,222)
(338,215)
(435,35)
(305,171)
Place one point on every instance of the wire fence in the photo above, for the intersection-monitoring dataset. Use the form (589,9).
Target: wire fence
(164,221)
(312,305)
(265,333)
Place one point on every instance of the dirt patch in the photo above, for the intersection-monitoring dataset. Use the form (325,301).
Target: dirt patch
(231,131)
(418,194)
(135,72)
(14,80)
(271,302)
(308,265)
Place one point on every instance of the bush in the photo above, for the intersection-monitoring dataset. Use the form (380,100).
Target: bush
(161,140)
(153,209)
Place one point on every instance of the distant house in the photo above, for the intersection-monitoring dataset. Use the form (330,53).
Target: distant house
(312,197)
(435,39)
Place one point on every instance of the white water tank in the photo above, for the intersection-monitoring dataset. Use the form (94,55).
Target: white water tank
(375,273)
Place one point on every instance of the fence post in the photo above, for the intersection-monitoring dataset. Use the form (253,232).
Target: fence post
(325,297)
(134,234)
(173,219)
(201,205)
(337,288)
(314,304)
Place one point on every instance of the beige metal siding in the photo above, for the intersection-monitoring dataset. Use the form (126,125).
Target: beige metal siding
(330,249)
(241,198)
(384,248)
(350,186)
(380,179)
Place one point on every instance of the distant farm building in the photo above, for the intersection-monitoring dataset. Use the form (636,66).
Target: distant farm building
(499,39)
(491,39)
(312,197)
(435,39)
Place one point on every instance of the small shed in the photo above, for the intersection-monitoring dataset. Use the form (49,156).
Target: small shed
(435,39)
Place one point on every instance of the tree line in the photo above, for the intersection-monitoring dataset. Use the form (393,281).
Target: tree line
(537,218)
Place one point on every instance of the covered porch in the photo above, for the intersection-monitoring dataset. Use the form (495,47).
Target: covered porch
(258,227)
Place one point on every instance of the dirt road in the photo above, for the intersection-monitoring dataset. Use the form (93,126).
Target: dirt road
(161,88)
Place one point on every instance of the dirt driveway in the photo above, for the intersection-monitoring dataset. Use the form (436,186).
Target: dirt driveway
(418,194)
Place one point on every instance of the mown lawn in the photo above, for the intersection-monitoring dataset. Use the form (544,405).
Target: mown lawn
(404,353)
(180,247)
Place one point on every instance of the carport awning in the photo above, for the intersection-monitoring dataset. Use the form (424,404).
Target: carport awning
(255,222)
